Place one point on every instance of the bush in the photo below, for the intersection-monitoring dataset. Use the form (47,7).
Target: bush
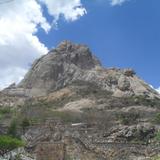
(102,119)
(12,130)
(157,136)
(25,123)
(8,143)
(128,118)
(68,116)
(156,158)
(5,110)
(142,100)
(157,118)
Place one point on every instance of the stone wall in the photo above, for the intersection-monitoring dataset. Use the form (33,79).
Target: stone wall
(50,151)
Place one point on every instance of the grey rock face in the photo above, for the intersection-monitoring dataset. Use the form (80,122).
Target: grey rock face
(73,62)
(123,83)
(142,132)
(58,67)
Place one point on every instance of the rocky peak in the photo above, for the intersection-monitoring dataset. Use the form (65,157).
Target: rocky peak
(67,47)
(58,68)
(71,62)
(77,54)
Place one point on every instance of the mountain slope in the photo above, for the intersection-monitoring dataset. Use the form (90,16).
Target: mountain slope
(68,106)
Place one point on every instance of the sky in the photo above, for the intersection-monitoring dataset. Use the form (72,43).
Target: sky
(121,33)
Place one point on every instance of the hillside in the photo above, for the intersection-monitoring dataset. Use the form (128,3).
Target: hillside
(70,107)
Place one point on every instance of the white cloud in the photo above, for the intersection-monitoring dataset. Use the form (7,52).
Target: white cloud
(19,21)
(71,10)
(117,2)
(158,90)
(14,74)
(18,44)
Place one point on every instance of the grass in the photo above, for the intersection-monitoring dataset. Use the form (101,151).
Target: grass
(8,143)
(156,158)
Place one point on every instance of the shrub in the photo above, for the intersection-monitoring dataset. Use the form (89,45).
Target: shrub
(67,116)
(102,119)
(25,123)
(8,143)
(156,158)
(5,110)
(128,118)
(142,100)
(12,130)
(157,118)
(157,136)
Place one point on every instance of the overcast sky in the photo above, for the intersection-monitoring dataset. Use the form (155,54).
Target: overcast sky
(122,33)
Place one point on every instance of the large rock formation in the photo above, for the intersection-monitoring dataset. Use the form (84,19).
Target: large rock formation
(68,106)
(71,62)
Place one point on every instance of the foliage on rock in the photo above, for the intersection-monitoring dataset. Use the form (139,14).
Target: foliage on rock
(8,143)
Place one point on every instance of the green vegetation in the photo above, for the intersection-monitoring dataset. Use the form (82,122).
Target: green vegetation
(142,100)
(17,126)
(25,123)
(5,110)
(11,140)
(35,113)
(157,136)
(103,119)
(18,157)
(157,118)
(68,116)
(32,113)
(69,157)
(8,143)
(137,100)
(156,158)
(128,118)
(12,130)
